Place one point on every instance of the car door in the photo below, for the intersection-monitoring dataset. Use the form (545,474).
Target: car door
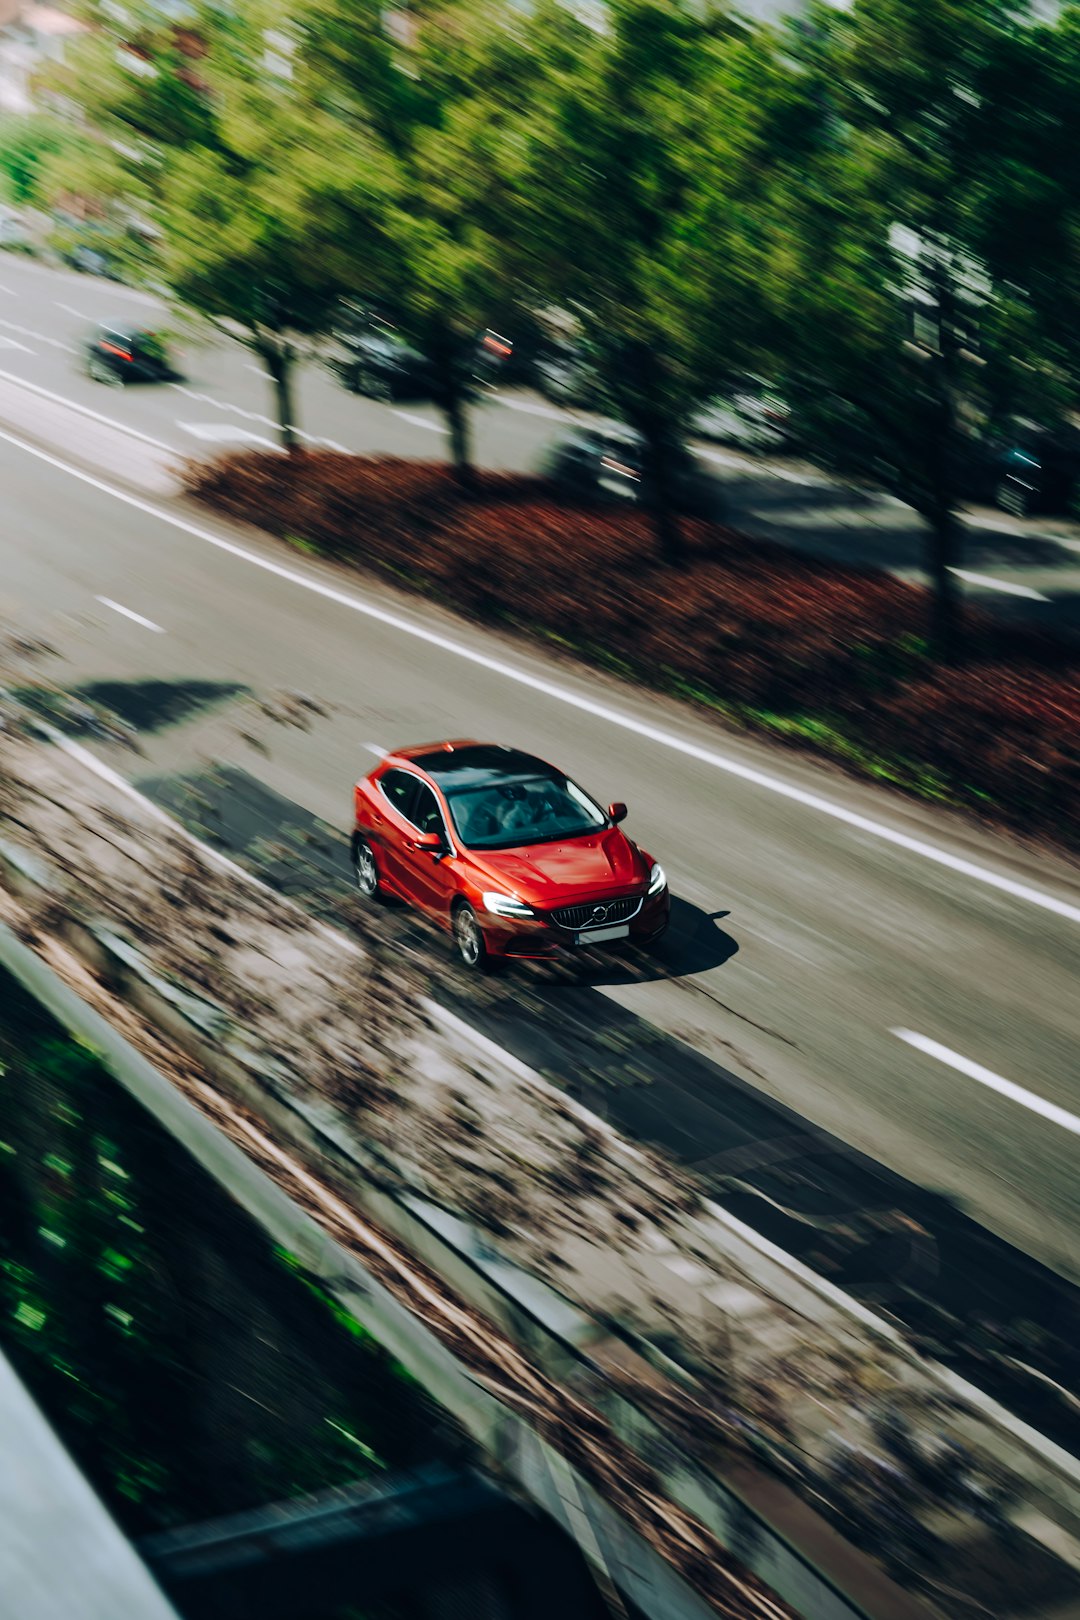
(393,828)
(429,876)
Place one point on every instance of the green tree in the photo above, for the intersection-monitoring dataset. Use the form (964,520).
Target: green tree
(626,220)
(897,342)
(254,242)
(433,237)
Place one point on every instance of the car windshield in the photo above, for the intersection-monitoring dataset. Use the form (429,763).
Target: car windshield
(525,810)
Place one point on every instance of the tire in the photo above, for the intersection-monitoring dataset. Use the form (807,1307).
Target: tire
(374,386)
(469,939)
(1011,498)
(365,872)
(102,373)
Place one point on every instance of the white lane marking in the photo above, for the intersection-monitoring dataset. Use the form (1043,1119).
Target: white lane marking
(373,748)
(9,290)
(995,1082)
(118,607)
(529,407)
(26,331)
(421,422)
(13,343)
(599,711)
(86,410)
(81,313)
(225,433)
(260,371)
(991,584)
(251,416)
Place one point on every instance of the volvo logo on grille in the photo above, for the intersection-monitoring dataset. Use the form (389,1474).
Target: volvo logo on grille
(599,914)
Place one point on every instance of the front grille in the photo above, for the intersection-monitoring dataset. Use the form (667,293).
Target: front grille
(583,917)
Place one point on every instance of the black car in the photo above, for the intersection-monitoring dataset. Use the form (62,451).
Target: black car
(605,464)
(124,354)
(1032,469)
(372,358)
(381,365)
(566,376)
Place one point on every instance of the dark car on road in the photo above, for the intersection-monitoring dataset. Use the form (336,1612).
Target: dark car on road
(381,365)
(372,358)
(1031,469)
(505,852)
(119,354)
(606,465)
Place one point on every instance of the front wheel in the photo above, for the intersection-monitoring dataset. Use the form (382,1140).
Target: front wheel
(469,939)
(365,871)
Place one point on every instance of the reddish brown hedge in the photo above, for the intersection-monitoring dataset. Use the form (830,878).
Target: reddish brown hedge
(781,640)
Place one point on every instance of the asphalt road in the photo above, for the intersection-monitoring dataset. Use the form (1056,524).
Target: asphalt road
(1030,569)
(817,918)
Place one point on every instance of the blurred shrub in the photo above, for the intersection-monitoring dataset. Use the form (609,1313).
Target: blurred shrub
(828,657)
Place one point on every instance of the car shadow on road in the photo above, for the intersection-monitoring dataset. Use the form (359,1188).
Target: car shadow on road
(694,943)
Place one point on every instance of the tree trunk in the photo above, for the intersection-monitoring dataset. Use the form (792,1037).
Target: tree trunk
(279,363)
(457,420)
(943,545)
(661,497)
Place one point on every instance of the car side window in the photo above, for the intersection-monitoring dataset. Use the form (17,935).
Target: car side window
(401,788)
(425,813)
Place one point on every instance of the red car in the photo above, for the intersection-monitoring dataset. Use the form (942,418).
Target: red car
(504,851)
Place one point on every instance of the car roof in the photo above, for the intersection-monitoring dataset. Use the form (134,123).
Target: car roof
(467,763)
(123,329)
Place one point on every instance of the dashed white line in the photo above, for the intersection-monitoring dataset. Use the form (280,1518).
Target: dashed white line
(86,410)
(1068,910)
(81,313)
(421,422)
(995,1082)
(373,748)
(129,613)
(26,331)
(988,582)
(13,343)
(226,433)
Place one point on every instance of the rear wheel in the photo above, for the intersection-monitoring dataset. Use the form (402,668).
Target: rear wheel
(365,871)
(101,372)
(375,386)
(469,938)
(1013,498)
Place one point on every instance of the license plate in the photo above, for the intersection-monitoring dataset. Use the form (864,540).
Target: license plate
(596,935)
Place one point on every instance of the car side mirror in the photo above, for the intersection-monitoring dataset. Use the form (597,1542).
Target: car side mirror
(430,843)
(617,812)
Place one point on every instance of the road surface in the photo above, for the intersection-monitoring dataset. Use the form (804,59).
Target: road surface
(888,972)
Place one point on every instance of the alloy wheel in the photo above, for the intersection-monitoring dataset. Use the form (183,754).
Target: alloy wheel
(365,870)
(468,937)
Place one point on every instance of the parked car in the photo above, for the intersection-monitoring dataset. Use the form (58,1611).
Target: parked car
(381,365)
(13,232)
(372,358)
(505,852)
(566,376)
(605,464)
(119,354)
(753,416)
(1031,468)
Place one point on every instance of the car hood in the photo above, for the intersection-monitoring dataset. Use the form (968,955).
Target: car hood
(562,871)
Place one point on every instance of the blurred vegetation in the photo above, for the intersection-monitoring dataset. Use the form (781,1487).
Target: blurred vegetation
(181,1359)
(874,207)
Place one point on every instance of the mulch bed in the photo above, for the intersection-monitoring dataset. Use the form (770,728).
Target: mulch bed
(826,657)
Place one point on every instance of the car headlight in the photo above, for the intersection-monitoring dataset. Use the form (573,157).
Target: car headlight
(504,905)
(657,878)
